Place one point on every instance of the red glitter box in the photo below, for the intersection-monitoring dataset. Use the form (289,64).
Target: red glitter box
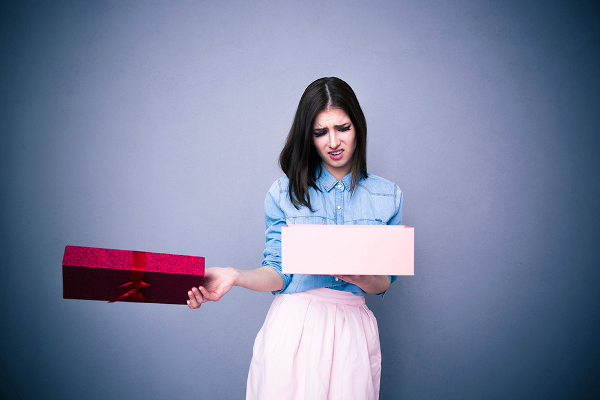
(90,273)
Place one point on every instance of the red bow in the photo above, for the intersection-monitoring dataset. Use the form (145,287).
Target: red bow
(138,265)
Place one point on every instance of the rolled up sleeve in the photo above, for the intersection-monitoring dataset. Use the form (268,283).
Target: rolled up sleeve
(274,221)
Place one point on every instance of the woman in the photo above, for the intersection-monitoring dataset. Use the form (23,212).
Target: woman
(319,340)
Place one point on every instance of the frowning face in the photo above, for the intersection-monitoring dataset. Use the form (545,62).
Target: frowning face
(334,139)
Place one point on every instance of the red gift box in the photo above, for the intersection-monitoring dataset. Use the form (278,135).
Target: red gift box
(90,273)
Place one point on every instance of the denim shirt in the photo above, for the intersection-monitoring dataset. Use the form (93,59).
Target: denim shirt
(375,201)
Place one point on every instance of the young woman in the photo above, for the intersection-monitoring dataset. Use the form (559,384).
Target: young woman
(319,339)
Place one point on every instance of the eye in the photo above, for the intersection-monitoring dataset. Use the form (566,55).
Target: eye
(320,132)
(344,128)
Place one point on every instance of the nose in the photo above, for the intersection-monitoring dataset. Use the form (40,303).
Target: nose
(334,140)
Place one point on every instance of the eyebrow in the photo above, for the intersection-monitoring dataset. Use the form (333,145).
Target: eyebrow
(335,126)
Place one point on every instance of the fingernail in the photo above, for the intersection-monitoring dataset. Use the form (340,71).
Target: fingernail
(190,293)
(188,302)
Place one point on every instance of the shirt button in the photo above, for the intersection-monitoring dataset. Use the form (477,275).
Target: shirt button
(336,279)
(339,207)
(339,186)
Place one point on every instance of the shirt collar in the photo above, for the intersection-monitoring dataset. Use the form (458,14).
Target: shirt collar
(327,181)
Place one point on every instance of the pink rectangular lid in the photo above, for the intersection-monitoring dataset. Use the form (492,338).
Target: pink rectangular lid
(348,249)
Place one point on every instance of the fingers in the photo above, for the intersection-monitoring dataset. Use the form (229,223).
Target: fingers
(195,298)
(350,278)
(200,295)
(343,277)
(192,303)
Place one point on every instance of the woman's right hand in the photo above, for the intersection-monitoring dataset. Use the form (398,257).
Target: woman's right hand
(216,283)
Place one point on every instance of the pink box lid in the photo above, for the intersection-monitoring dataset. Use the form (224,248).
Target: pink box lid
(348,249)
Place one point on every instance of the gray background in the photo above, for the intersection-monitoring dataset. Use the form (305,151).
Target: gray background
(156,126)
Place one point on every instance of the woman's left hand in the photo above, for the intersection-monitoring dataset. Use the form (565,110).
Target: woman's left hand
(372,284)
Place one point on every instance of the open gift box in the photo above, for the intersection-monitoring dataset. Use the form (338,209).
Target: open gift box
(91,273)
(348,249)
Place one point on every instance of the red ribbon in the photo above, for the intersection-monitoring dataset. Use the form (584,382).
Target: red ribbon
(138,265)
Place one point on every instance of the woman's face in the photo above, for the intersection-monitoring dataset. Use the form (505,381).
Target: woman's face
(334,139)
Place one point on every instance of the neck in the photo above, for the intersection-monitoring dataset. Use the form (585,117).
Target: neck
(338,174)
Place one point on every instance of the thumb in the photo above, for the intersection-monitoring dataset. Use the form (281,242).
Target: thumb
(211,296)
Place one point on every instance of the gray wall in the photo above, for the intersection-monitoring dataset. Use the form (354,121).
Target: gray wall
(156,126)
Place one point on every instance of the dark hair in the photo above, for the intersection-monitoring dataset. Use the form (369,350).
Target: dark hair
(299,159)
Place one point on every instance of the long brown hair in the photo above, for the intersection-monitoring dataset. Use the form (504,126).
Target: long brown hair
(299,159)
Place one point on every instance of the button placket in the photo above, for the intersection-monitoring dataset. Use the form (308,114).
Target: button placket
(339,198)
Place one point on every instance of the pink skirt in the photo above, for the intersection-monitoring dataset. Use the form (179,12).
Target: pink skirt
(319,344)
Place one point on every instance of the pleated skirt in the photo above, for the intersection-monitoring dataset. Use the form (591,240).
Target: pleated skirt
(322,344)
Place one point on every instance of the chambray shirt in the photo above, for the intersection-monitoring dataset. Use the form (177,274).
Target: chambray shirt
(375,201)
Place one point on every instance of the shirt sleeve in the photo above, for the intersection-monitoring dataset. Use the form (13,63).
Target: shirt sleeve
(397,217)
(396,220)
(274,221)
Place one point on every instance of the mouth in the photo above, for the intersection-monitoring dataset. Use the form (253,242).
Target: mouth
(336,155)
